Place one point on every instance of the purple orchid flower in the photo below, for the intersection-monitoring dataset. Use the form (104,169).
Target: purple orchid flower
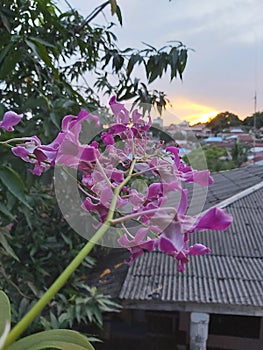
(139,243)
(43,157)
(10,119)
(107,138)
(121,114)
(161,207)
(174,242)
(186,173)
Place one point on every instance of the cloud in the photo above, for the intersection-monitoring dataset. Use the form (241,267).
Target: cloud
(227,37)
(181,108)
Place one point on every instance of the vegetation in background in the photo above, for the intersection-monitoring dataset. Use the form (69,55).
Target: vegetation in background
(239,153)
(216,158)
(223,121)
(255,120)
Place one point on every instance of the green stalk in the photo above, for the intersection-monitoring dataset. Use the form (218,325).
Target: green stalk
(64,276)
(55,287)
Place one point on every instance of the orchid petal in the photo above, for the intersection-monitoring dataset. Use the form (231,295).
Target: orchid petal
(199,249)
(214,219)
(10,119)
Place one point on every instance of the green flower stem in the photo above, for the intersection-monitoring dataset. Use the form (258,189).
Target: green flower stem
(62,279)
(136,215)
(55,287)
(16,139)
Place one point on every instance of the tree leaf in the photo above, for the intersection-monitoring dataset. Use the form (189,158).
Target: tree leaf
(5,21)
(5,51)
(55,119)
(13,182)
(9,63)
(62,339)
(6,212)
(118,13)
(154,74)
(41,52)
(132,61)
(152,47)
(113,4)
(183,60)
(173,55)
(42,42)
(117,62)
(5,315)
(6,246)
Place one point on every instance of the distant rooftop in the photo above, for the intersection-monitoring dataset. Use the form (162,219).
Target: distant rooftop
(213,139)
(236,130)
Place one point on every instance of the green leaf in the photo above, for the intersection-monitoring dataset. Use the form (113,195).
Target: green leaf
(113,4)
(55,119)
(118,13)
(117,62)
(5,21)
(150,46)
(5,51)
(173,55)
(5,314)
(6,212)
(9,63)
(6,246)
(13,182)
(132,61)
(154,74)
(183,60)
(41,52)
(42,42)
(62,339)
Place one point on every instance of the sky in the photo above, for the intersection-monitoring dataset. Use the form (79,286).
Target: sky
(225,68)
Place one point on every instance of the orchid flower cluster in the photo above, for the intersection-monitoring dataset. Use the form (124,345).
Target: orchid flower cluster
(109,167)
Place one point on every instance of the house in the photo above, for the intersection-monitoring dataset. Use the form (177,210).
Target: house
(217,303)
(200,130)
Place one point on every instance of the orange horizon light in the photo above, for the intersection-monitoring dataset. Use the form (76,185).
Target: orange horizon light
(190,111)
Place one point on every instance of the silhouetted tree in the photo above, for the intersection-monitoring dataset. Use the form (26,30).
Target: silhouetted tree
(223,121)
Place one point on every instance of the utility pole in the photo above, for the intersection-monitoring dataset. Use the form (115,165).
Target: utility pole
(255,104)
(255,123)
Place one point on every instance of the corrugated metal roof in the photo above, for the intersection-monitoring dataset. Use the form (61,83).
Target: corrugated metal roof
(226,184)
(210,279)
(230,276)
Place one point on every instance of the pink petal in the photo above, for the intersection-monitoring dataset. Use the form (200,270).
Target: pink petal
(107,138)
(10,119)
(199,249)
(214,219)
(21,152)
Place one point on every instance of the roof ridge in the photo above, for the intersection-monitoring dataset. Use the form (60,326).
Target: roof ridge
(226,202)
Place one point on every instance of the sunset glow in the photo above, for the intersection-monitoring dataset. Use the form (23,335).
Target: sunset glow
(191,111)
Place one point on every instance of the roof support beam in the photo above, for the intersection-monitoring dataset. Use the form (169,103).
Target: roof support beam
(198,330)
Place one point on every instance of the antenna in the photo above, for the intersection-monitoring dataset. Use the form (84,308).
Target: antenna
(254,126)
(255,102)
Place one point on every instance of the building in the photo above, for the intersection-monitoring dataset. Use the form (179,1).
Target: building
(158,122)
(217,303)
